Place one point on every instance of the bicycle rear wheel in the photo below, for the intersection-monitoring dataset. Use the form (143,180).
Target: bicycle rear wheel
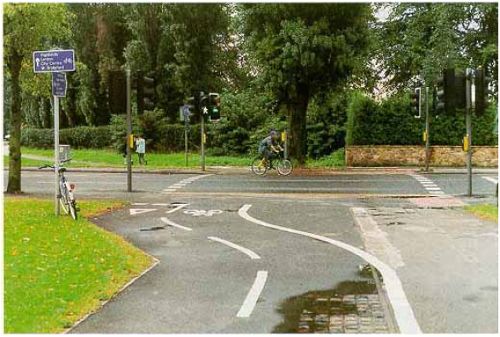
(72,209)
(284,167)
(259,167)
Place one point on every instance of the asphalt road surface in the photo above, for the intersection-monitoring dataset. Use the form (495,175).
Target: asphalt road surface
(247,254)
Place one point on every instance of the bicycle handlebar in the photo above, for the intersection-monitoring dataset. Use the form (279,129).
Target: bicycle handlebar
(52,166)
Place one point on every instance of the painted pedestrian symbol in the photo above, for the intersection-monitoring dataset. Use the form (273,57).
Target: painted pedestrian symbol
(201,212)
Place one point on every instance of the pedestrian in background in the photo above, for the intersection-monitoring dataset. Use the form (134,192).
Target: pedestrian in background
(140,148)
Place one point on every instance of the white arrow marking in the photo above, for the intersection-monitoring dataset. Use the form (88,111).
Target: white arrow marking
(135,211)
(173,224)
(253,295)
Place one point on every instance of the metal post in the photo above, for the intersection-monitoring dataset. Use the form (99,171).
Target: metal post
(186,125)
(285,154)
(427,141)
(468,125)
(57,194)
(129,134)
(203,140)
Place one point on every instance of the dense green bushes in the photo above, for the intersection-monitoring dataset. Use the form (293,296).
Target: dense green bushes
(391,122)
(79,137)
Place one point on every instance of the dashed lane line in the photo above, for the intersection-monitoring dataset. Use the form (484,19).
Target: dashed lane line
(430,186)
(253,295)
(173,224)
(184,182)
(403,312)
(244,250)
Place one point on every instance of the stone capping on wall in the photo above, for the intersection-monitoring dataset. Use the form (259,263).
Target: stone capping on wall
(414,155)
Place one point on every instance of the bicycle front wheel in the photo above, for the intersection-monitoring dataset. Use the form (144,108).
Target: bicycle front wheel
(64,200)
(259,167)
(284,167)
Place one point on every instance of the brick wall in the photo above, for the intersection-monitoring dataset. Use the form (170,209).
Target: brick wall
(408,155)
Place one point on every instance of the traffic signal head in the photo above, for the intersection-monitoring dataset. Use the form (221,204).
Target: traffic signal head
(482,91)
(117,92)
(214,106)
(146,92)
(450,92)
(416,98)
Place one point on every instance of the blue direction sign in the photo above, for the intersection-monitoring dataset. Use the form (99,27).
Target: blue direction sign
(50,61)
(185,111)
(59,84)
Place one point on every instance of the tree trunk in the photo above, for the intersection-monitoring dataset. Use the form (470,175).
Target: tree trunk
(14,184)
(297,125)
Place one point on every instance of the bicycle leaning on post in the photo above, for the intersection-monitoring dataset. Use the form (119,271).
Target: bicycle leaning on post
(261,166)
(66,196)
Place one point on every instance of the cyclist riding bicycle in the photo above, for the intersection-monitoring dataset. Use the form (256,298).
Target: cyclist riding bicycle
(269,145)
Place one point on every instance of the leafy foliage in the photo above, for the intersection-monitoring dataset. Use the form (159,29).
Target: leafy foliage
(391,123)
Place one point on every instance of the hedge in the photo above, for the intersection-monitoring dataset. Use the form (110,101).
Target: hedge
(79,137)
(391,122)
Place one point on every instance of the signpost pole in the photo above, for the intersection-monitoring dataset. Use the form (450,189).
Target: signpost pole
(129,135)
(427,141)
(56,156)
(468,125)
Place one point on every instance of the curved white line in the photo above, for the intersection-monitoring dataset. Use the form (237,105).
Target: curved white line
(173,224)
(402,309)
(244,250)
(253,295)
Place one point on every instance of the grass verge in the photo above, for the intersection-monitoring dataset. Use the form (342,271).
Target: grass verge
(484,211)
(57,270)
(110,158)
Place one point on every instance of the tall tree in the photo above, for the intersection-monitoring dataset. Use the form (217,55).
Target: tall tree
(424,38)
(302,49)
(27,27)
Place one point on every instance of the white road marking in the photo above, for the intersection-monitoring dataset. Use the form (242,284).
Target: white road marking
(401,307)
(253,295)
(200,212)
(182,183)
(140,204)
(135,211)
(432,188)
(176,207)
(160,204)
(244,250)
(490,179)
(173,224)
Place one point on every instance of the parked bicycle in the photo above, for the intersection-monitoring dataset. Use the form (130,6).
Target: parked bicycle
(261,166)
(66,196)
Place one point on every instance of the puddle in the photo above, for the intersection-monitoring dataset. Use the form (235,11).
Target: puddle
(350,307)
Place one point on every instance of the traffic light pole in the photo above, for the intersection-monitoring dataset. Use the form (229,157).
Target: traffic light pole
(203,140)
(427,122)
(186,126)
(468,125)
(129,134)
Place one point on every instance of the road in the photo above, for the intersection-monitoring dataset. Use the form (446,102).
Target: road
(246,254)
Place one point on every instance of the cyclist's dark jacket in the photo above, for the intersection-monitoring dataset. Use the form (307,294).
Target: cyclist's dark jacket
(266,143)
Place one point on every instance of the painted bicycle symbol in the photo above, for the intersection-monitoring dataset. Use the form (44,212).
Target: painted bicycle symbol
(201,212)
